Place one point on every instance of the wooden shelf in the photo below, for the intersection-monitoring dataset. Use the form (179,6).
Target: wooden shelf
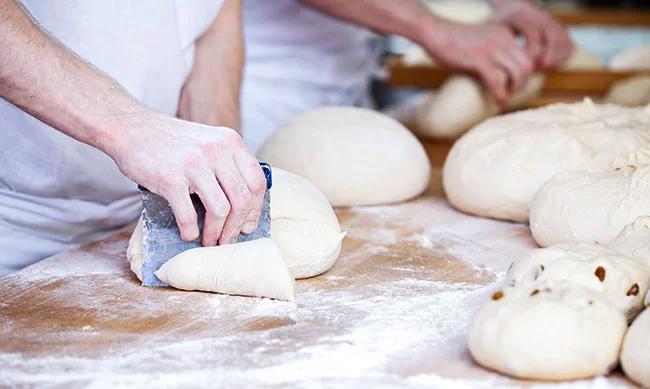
(609,17)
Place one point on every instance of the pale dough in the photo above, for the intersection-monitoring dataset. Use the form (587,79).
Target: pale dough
(589,207)
(354,156)
(622,280)
(439,117)
(553,331)
(584,60)
(634,241)
(632,91)
(496,168)
(635,357)
(635,58)
(253,268)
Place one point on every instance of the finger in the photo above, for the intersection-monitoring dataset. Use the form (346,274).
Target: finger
(533,42)
(512,69)
(216,206)
(184,212)
(250,170)
(494,81)
(239,197)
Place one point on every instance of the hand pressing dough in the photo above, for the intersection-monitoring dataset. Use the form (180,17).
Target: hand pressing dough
(253,268)
(439,117)
(635,357)
(552,332)
(632,91)
(303,225)
(622,280)
(589,207)
(635,58)
(634,241)
(496,168)
(355,156)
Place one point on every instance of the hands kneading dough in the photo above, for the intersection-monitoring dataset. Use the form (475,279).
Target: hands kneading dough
(562,313)
(497,167)
(355,156)
(305,241)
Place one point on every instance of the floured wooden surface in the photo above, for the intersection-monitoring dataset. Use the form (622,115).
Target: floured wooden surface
(392,312)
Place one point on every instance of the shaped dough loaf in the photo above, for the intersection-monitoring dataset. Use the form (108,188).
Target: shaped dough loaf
(635,58)
(632,91)
(589,207)
(354,156)
(551,332)
(635,357)
(496,168)
(622,280)
(253,268)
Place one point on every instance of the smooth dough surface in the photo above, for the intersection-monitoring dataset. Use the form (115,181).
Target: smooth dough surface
(253,268)
(354,156)
(635,357)
(622,280)
(303,225)
(552,332)
(496,168)
(439,117)
(589,207)
(635,58)
(584,60)
(634,241)
(633,91)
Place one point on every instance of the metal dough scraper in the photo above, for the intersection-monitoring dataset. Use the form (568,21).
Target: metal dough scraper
(161,239)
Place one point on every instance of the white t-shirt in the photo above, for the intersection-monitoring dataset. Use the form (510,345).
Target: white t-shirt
(55,191)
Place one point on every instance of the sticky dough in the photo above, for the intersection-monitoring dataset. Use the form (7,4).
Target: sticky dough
(496,168)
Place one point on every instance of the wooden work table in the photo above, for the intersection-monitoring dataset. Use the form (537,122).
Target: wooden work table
(393,311)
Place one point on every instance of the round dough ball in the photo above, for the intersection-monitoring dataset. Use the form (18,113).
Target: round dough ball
(303,225)
(584,60)
(635,58)
(496,168)
(468,12)
(253,268)
(635,357)
(589,207)
(552,332)
(633,91)
(622,280)
(355,156)
(634,241)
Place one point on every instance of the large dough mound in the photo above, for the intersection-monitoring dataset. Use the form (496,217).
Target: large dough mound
(620,279)
(303,225)
(552,332)
(497,167)
(439,117)
(354,156)
(253,268)
(635,357)
(589,207)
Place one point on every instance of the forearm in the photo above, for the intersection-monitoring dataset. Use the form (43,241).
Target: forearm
(215,81)
(43,78)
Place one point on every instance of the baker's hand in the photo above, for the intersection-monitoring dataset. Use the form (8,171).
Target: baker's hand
(174,158)
(547,41)
(489,51)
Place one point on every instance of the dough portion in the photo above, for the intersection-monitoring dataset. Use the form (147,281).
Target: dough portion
(634,241)
(584,60)
(632,91)
(440,118)
(134,250)
(496,168)
(253,268)
(555,331)
(303,225)
(589,207)
(635,58)
(354,156)
(622,280)
(635,357)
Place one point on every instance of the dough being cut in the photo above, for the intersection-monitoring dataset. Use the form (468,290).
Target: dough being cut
(253,268)
(635,58)
(622,280)
(496,168)
(439,117)
(589,207)
(355,156)
(634,241)
(555,331)
(635,357)
(632,91)
(303,225)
